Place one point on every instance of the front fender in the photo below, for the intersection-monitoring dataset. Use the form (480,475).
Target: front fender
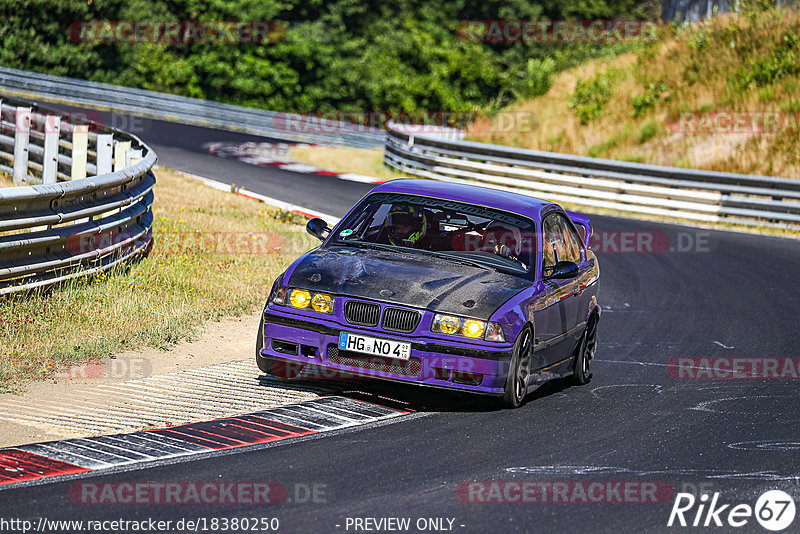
(517,312)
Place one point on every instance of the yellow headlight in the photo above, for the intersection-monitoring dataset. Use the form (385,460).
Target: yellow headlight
(449,324)
(322,303)
(473,328)
(300,298)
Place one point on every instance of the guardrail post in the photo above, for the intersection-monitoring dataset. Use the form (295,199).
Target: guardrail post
(134,157)
(121,149)
(80,142)
(52,129)
(105,152)
(22,133)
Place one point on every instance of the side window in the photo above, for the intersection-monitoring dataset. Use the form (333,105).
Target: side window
(553,247)
(549,255)
(571,240)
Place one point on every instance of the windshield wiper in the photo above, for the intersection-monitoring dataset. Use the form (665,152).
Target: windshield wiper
(406,250)
(456,259)
(365,244)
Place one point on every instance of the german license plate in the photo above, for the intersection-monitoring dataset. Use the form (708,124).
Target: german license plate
(371,345)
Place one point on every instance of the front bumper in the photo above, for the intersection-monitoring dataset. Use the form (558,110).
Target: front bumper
(300,340)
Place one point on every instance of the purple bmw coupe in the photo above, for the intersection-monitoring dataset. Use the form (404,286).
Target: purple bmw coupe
(441,285)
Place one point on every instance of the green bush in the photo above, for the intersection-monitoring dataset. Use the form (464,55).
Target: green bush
(783,60)
(538,77)
(649,130)
(591,95)
(654,92)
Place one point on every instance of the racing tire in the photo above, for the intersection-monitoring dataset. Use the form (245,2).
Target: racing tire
(582,368)
(519,371)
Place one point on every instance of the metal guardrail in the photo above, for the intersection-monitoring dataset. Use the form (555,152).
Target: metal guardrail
(185,110)
(90,207)
(695,10)
(687,194)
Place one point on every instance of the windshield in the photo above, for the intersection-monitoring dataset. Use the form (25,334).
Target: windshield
(486,237)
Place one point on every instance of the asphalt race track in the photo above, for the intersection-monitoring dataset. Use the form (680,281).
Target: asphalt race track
(696,294)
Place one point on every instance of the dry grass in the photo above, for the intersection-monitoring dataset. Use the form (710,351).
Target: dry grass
(734,63)
(366,161)
(216,255)
(5,180)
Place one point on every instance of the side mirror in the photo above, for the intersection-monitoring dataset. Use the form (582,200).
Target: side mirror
(317,227)
(562,269)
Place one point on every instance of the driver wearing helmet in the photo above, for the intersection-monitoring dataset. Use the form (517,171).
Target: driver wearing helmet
(405,225)
(505,240)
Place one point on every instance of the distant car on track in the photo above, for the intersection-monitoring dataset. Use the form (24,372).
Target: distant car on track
(443,285)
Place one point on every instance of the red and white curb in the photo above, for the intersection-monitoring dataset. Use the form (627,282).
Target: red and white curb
(57,458)
(276,155)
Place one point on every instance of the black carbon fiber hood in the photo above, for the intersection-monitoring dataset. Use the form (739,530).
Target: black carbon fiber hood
(409,279)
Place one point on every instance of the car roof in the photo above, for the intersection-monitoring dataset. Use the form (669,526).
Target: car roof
(472,194)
